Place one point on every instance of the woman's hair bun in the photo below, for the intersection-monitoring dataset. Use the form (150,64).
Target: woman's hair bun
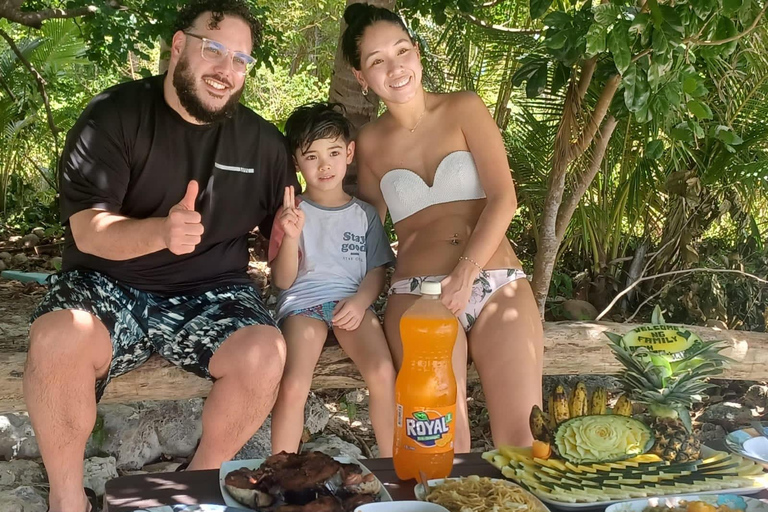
(356,12)
(359,17)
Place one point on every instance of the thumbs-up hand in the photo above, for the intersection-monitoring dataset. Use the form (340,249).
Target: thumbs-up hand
(183,227)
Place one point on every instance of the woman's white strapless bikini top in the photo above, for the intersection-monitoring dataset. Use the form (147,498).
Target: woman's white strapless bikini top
(455,179)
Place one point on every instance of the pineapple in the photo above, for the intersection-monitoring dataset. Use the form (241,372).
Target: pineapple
(669,390)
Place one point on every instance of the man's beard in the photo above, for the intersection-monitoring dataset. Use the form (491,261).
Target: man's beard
(184,83)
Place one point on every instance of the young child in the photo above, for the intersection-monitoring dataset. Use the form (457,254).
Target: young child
(329,255)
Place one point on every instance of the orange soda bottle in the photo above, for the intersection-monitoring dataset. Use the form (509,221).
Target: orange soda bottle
(425,390)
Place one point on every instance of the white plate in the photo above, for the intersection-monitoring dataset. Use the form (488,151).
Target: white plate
(730,500)
(421,493)
(232,465)
(608,504)
(401,506)
(757,448)
(188,508)
(741,443)
(706,451)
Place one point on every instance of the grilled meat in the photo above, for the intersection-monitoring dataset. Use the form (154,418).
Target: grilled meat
(306,472)
(295,481)
(245,486)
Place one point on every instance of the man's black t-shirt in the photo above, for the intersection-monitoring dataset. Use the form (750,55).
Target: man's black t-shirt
(131,154)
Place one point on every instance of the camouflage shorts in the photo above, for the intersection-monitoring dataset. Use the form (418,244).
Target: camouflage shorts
(184,329)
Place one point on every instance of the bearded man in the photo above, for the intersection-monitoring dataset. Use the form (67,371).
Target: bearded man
(162,180)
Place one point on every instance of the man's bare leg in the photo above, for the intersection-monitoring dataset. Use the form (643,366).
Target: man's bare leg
(68,351)
(247,368)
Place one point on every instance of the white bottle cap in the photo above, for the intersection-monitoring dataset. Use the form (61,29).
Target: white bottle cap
(430,288)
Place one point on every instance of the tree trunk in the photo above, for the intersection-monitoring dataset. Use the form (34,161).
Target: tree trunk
(345,90)
(557,213)
(569,348)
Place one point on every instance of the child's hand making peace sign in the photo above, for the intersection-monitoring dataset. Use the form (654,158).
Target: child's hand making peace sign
(291,219)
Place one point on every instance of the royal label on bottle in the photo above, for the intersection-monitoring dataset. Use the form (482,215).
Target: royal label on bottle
(426,430)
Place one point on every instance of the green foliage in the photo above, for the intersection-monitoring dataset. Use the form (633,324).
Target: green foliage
(685,170)
(561,285)
(654,48)
(730,300)
(78,58)
(274,94)
(27,145)
(115,32)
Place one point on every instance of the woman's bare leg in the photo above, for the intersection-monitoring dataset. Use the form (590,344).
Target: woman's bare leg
(507,345)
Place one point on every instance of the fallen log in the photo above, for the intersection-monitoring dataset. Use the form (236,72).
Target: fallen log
(570,348)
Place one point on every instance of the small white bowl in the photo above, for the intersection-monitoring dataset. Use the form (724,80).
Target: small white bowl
(401,506)
(757,448)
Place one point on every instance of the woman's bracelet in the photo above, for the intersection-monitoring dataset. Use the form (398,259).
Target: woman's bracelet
(482,270)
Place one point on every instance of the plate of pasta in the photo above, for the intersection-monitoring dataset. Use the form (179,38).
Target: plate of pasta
(479,494)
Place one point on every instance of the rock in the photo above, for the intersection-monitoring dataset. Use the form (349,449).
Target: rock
(728,415)
(316,415)
(17,439)
(710,432)
(14,238)
(96,472)
(179,426)
(259,446)
(29,241)
(3,266)
(139,434)
(55,263)
(20,259)
(757,396)
(334,447)
(6,257)
(126,434)
(22,499)
(356,396)
(134,434)
(574,309)
(39,232)
(15,473)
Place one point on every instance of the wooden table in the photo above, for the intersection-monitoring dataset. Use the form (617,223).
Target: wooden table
(128,493)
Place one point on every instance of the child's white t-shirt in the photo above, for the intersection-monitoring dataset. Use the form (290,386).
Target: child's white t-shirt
(337,248)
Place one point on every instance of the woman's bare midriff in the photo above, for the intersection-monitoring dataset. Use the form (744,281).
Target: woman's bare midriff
(430,241)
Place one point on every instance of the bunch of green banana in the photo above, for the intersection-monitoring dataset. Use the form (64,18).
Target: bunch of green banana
(580,403)
(561,408)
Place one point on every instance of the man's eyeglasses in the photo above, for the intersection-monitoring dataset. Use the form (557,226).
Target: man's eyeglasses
(213,51)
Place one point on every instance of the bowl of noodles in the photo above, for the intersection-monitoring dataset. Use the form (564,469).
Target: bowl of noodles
(479,494)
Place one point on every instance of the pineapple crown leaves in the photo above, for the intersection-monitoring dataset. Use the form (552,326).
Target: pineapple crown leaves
(677,385)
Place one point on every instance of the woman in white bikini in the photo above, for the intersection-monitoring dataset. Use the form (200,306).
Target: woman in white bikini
(438,164)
